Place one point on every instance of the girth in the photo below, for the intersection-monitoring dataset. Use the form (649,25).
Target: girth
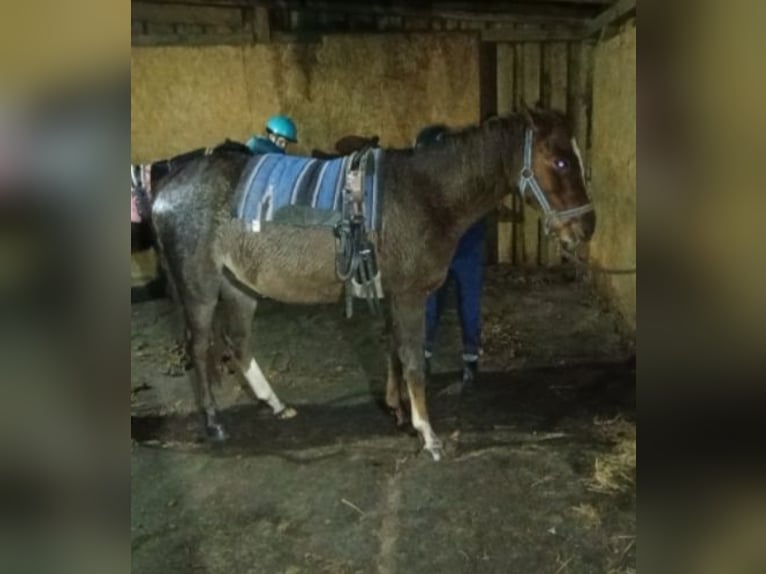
(355,258)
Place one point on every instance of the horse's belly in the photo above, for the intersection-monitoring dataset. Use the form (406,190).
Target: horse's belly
(291,288)
(292,265)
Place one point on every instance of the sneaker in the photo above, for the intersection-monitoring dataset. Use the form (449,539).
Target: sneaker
(470,370)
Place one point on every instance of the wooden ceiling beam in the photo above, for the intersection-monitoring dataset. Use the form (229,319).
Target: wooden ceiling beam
(548,34)
(552,9)
(619,10)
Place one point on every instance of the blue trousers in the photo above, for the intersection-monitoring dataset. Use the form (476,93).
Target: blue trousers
(466,270)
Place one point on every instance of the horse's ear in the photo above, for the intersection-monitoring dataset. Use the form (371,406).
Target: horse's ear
(529,116)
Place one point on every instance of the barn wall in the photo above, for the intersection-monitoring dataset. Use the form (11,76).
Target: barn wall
(558,75)
(185,97)
(613,157)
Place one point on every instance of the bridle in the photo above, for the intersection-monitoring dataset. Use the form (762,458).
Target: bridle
(528,179)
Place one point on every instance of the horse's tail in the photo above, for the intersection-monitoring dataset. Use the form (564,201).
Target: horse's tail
(140,191)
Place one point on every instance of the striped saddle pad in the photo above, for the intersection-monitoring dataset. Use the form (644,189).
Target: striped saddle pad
(302,191)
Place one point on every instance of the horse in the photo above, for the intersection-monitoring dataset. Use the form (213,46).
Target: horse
(430,197)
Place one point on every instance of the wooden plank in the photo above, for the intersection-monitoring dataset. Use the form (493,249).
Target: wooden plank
(580,73)
(238,38)
(506,79)
(513,12)
(488,106)
(554,94)
(509,11)
(557,66)
(517,204)
(580,101)
(261,24)
(466,6)
(179,14)
(160,29)
(617,11)
(531,94)
(539,34)
(219,3)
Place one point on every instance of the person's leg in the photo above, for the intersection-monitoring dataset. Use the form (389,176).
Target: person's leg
(468,275)
(434,308)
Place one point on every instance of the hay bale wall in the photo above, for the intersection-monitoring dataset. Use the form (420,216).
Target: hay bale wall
(389,85)
(613,161)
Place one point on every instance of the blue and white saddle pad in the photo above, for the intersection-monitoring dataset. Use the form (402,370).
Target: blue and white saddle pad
(273,182)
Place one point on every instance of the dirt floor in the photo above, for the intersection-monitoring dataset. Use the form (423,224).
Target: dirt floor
(538,476)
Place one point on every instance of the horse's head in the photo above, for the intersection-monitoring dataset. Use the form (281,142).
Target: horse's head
(552,176)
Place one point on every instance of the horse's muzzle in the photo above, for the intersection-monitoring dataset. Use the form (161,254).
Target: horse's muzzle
(577,231)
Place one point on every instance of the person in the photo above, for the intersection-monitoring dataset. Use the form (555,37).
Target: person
(466,270)
(280,130)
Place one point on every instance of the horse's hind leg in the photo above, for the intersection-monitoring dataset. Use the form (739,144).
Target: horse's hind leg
(409,330)
(199,317)
(238,309)
(197,294)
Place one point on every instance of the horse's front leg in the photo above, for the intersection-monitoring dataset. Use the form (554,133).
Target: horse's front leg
(394,382)
(394,387)
(408,317)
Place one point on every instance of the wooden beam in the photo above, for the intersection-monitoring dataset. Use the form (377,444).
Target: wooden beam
(618,10)
(468,6)
(214,3)
(511,35)
(532,72)
(505,105)
(237,38)
(261,24)
(515,12)
(179,14)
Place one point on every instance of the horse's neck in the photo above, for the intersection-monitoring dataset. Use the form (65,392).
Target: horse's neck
(470,173)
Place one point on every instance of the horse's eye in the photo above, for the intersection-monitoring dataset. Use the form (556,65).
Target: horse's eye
(561,164)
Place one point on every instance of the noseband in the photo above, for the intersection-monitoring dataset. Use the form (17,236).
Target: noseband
(528,179)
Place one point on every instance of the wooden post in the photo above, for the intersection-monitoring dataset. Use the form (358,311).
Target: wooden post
(554,94)
(580,80)
(488,106)
(580,101)
(261,24)
(506,82)
(517,203)
(531,95)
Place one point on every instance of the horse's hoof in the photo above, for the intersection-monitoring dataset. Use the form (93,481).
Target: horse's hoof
(436,450)
(286,413)
(216,433)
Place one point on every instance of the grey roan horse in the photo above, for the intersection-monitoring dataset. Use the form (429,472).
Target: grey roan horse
(430,196)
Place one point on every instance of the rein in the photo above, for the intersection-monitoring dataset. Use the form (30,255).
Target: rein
(528,179)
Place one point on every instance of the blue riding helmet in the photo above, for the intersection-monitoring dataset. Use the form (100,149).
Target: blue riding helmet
(282,126)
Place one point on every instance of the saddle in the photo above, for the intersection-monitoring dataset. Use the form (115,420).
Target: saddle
(340,194)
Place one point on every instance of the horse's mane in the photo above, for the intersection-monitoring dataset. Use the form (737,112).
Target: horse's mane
(548,119)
